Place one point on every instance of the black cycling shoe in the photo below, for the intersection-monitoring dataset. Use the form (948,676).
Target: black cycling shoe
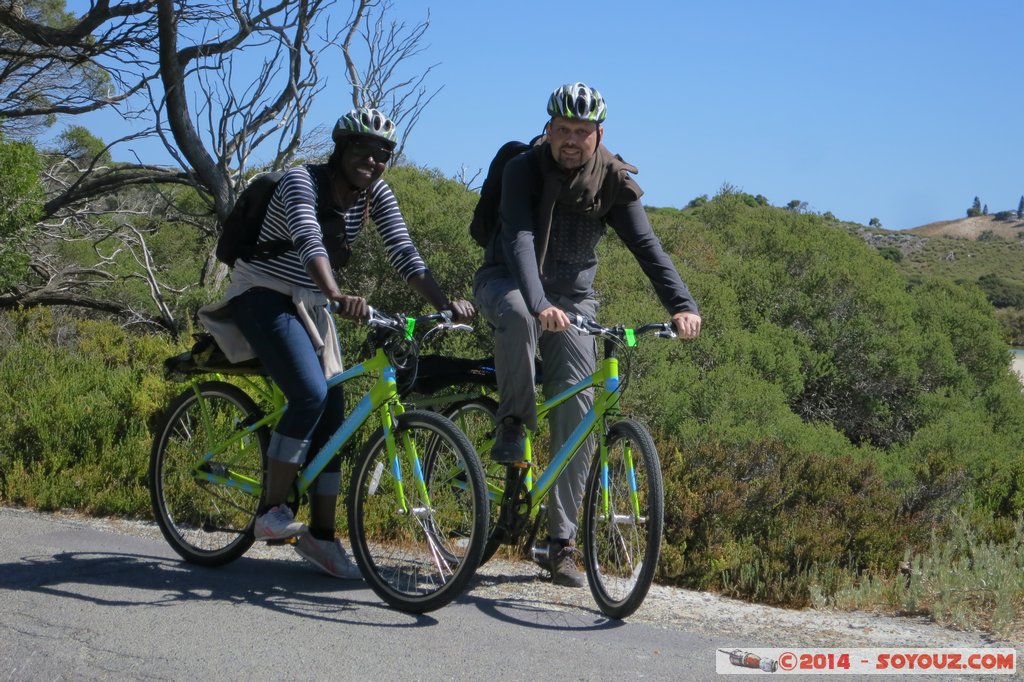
(509,442)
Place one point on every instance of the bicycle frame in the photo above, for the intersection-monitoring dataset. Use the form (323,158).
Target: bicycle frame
(623,501)
(605,380)
(382,398)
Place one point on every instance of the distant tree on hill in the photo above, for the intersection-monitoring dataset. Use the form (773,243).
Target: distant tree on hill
(874,222)
(796,206)
(754,201)
(975,209)
(984,211)
(1020,208)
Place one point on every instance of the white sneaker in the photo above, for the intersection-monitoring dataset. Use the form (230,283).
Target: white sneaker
(329,556)
(277,524)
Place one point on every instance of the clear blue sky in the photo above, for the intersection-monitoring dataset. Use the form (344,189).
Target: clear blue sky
(904,110)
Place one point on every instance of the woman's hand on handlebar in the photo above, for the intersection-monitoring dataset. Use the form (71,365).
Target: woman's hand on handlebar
(462,311)
(352,307)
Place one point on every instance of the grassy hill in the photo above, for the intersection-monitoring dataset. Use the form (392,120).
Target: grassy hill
(962,250)
(972,228)
(967,250)
(980,250)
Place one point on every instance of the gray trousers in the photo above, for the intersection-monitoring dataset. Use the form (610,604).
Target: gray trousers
(568,357)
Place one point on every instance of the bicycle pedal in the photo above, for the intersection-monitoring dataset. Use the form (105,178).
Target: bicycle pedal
(283,541)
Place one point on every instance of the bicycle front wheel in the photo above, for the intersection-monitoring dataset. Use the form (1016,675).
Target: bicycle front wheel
(622,520)
(204,476)
(418,516)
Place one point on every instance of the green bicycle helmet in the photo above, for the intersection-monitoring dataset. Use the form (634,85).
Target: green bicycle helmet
(366,122)
(577,100)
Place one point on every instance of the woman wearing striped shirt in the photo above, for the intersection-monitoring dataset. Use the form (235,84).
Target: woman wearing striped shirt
(280,310)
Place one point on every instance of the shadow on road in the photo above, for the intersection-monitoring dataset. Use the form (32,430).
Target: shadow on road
(519,604)
(289,587)
(115,579)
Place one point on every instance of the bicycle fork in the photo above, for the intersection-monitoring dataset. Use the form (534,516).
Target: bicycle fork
(628,522)
(423,512)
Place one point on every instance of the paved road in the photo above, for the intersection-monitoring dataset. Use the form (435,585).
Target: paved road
(79,600)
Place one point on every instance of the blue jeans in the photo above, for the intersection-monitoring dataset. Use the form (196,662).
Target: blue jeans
(270,324)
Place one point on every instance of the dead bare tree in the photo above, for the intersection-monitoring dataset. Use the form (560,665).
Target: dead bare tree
(389,46)
(52,63)
(175,69)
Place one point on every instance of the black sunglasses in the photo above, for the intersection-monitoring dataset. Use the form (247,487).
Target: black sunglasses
(380,153)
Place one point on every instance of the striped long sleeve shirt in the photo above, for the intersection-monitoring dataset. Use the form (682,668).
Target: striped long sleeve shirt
(291,215)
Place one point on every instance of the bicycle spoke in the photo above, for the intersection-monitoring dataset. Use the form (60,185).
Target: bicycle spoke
(621,548)
(420,559)
(204,519)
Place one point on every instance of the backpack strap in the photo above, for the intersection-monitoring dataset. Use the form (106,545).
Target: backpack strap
(332,222)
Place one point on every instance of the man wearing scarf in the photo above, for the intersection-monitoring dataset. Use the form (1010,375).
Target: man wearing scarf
(557,200)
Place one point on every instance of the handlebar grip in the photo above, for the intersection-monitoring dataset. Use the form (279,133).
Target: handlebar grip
(372,314)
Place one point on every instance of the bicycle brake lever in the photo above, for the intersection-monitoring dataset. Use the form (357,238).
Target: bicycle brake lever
(578,322)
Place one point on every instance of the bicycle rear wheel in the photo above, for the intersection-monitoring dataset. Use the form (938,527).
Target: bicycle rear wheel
(418,547)
(622,535)
(205,510)
(477,418)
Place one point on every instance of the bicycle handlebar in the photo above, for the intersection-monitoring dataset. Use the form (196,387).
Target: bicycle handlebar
(584,324)
(378,318)
(400,322)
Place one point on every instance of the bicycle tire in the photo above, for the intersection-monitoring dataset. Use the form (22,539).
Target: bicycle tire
(477,418)
(620,550)
(418,561)
(206,523)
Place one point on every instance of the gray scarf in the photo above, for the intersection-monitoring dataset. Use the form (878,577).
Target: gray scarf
(593,189)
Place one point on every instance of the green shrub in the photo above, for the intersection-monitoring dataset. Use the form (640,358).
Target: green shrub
(74,431)
(891,253)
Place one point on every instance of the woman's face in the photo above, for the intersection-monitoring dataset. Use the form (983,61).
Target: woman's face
(364,160)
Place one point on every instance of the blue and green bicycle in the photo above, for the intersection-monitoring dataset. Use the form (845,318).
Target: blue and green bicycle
(623,505)
(417,502)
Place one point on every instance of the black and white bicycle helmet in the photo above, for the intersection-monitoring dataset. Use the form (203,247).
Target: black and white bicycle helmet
(577,100)
(365,121)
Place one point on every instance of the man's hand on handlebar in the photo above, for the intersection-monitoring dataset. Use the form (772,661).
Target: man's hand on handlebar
(687,325)
(553,319)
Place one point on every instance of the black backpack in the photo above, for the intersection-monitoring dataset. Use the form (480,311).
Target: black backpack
(241,230)
(486,222)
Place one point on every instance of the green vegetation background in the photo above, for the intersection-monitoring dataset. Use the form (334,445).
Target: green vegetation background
(836,421)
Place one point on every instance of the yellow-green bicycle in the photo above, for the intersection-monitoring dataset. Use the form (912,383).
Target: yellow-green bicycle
(417,537)
(623,504)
